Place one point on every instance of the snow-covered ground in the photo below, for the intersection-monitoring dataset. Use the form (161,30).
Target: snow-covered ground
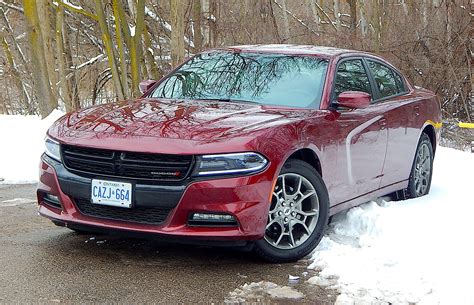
(413,251)
(22,143)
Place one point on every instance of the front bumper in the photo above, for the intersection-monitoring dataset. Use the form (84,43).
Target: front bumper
(246,198)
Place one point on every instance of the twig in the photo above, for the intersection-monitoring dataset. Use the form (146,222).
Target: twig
(297,19)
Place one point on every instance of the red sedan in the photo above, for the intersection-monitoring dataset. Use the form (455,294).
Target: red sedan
(248,145)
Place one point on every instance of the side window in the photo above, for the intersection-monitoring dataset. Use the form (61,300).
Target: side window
(388,82)
(351,76)
(400,83)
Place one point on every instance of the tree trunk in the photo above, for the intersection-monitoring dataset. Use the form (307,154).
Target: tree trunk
(286,24)
(120,46)
(353,25)
(136,47)
(471,60)
(274,22)
(133,40)
(109,49)
(315,13)
(177,32)
(363,18)
(64,94)
(41,80)
(153,69)
(71,80)
(376,24)
(213,10)
(68,85)
(46,32)
(197,25)
(206,27)
(337,16)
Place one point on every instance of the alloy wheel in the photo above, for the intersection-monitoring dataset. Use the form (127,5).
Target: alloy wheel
(293,213)
(422,172)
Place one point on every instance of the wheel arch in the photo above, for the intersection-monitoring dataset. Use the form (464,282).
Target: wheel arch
(309,156)
(429,130)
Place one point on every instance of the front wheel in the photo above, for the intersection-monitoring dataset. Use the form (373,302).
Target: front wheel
(297,216)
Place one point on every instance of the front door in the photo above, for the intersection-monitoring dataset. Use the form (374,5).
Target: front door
(363,136)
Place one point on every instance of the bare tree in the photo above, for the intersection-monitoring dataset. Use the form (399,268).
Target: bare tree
(197,25)
(38,61)
(177,34)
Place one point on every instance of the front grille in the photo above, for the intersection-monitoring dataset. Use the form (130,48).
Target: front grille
(127,164)
(145,215)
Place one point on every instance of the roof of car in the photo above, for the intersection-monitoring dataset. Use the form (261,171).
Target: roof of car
(291,49)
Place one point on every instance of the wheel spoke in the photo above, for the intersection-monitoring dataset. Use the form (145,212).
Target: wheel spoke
(277,242)
(283,186)
(271,223)
(290,233)
(298,189)
(308,213)
(304,196)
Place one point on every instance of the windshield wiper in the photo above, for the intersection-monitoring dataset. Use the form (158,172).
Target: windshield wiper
(229,100)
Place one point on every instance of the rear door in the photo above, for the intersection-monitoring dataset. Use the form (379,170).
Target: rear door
(361,134)
(399,107)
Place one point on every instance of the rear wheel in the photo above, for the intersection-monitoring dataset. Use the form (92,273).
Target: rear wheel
(297,216)
(422,169)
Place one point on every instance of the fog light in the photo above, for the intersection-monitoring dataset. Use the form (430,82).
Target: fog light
(208,219)
(51,200)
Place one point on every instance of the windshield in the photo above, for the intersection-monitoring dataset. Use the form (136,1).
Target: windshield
(268,79)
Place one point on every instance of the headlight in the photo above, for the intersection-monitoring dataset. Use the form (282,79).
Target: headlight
(228,164)
(52,149)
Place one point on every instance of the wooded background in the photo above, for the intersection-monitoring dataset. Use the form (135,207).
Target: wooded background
(78,53)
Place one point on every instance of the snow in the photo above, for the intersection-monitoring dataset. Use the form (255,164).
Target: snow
(16,202)
(89,62)
(132,30)
(22,139)
(76,7)
(413,251)
(254,292)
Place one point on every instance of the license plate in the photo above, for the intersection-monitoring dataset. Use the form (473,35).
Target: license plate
(113,193)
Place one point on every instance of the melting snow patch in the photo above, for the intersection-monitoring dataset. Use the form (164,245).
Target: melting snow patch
(262,290)
(16,202)
(413,251)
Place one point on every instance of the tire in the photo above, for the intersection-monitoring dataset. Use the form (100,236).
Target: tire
(296,224)
(422,169)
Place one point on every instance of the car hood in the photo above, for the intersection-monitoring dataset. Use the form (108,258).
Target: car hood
(200,122)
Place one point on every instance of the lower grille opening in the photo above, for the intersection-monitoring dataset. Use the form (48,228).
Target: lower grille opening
(50,200)
(144,215)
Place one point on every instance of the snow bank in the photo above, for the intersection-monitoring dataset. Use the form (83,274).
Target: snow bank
(22,143)
(414,251)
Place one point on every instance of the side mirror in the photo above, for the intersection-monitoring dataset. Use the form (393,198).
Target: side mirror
(354,99)
(146,85)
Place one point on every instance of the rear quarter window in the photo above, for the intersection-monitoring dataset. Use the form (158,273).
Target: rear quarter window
(387,81)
